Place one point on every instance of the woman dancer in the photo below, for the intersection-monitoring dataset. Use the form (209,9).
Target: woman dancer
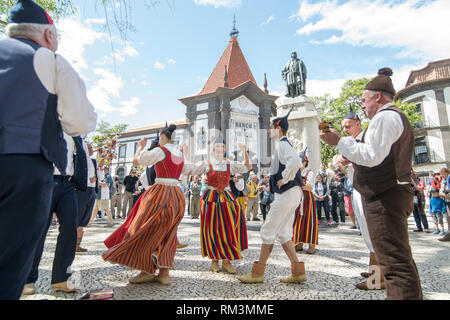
(306,225)
(223,230)
(150,242)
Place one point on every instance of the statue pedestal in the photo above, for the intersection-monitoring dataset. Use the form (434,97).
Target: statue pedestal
(303,127)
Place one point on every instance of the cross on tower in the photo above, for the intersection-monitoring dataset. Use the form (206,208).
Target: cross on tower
(235,32)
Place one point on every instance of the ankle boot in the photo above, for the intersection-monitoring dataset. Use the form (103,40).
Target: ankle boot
(256,275)
(298,273)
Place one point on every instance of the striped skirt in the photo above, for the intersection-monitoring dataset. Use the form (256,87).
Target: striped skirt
(223,229)
(150,242)
(306,227)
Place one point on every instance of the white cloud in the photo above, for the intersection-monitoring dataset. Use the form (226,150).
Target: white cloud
(95,21)
(159,66)
(269,20)
(419,28)
(108,87)
(171,61)
(75,37)
(219,3)
(129,108)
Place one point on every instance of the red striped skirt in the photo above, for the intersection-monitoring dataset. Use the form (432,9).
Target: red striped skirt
(150,242)
(306,227)
(223,229)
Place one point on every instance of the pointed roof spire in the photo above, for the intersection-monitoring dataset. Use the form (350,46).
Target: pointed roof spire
(265,84)
(237,70)
(234,32)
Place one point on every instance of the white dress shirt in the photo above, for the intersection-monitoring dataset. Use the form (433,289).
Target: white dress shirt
(287,155)
(76,113)
(240,185)
(143,179)
(384,130)
(70,153)
(90,166)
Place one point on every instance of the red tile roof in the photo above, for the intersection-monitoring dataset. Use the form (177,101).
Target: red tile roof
(137,131)
(436,70)
(238,69)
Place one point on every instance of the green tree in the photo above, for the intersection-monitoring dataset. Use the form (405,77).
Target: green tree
(104,141)
(333,110)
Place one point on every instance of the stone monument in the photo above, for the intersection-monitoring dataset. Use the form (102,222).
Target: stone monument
(304,119)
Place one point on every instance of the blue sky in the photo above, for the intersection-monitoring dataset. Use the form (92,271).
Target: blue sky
(177,44)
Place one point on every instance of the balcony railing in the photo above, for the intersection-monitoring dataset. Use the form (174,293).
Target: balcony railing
(425,158)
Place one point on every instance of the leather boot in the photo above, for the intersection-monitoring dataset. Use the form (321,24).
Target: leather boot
(256,275)
(298,273)
(364,286)
(80,249)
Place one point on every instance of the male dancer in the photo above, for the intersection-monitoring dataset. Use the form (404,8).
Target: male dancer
(383,177)
(41,95)
(285,182)
(351,125)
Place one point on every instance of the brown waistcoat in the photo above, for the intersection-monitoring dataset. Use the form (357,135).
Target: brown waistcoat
(397,166)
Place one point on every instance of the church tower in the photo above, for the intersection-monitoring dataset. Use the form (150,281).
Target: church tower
(232,104)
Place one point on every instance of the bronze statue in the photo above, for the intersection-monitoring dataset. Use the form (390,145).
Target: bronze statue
(295,74)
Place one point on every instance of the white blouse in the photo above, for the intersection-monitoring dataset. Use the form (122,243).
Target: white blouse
(217,165)
(311,179)
(149,158)
(384,130)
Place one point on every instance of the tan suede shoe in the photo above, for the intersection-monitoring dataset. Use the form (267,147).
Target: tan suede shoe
(141,278)
(256,275)
(228,268)
(65,287)
(29,289)
(215,266)
(298,274)
(162,280)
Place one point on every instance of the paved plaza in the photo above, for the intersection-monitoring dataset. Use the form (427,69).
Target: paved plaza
(331,273)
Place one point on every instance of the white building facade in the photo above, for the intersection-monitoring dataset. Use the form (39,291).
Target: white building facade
(429,90)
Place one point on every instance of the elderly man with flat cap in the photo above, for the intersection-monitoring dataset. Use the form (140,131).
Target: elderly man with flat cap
(41,96)
(383,167)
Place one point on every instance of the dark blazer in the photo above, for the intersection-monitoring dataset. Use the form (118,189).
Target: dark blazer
(80,166)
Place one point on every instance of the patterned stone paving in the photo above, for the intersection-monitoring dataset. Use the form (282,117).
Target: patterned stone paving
(331,272)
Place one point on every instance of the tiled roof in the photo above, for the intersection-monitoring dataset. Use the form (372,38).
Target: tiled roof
(437,70)
(238,69)
(180,123)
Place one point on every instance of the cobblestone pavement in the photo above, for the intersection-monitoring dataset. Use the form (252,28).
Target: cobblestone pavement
(331,273)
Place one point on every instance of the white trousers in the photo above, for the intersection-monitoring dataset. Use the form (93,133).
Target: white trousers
(279,223)
(359,213)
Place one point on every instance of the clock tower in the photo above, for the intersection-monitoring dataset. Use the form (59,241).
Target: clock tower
(231,104)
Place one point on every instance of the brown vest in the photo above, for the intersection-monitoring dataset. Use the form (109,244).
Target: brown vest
(397,166)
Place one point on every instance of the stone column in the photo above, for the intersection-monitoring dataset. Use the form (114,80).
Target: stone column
(266,144)
(191,116)
(443,122)
(304,125)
